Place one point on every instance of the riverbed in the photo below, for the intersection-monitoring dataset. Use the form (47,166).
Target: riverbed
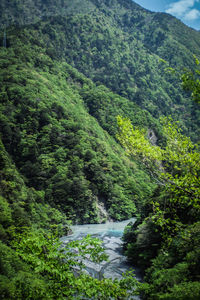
(111,235)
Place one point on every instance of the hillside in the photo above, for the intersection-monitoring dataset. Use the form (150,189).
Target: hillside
(57,146)
(29,12)
(59,164)
(67,70)
(120,45)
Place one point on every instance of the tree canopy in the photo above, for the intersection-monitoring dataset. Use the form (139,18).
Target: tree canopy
(175,166)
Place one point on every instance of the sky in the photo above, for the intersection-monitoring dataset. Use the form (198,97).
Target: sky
(188,11)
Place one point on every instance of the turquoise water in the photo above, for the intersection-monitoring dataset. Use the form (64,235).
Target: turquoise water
(110,233)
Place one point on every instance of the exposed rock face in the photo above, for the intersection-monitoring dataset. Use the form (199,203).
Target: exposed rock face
(102,212)
(152,137)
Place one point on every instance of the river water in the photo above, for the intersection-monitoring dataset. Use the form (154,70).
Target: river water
(110,233)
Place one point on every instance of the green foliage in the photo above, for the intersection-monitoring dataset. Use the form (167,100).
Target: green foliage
(122,50)
(61,151)
(175,167)
(104,105)
(165,244)
(174,273)
(36,266)
(190,81)
(56,163)
(141,243)
(58,158)
(22,206)
(61,269)
(117,44)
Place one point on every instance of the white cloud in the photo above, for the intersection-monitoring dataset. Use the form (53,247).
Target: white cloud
(179,8)
(184,9)
(191,15)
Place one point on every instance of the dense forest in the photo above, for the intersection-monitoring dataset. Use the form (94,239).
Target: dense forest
(68,71)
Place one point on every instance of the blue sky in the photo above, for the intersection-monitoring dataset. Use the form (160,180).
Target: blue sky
(188,11)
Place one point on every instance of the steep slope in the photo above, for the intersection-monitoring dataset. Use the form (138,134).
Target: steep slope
(57,146)
(22,206)
(119,44)
(27,12)
(59,157)
(115,43)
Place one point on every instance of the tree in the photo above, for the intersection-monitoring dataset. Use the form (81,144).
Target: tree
(191,81)
(61,268)
(175,167)
(190,78)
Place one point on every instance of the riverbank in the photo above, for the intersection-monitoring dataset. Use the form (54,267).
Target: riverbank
(111,235)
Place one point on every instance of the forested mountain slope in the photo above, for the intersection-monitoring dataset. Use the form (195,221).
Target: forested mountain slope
(58,163)
(67,70)
(27,12)
(58,147)
(119,44)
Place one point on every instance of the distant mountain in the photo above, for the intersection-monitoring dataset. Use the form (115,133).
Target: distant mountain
(27,12)
(119,46)
(116,43)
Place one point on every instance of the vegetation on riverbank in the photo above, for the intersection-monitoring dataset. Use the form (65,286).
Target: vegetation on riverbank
(67,70)
(165,243)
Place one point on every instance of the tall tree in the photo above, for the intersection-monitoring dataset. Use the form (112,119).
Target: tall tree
(175,166)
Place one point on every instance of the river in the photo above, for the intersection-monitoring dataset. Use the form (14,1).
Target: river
(110,233)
